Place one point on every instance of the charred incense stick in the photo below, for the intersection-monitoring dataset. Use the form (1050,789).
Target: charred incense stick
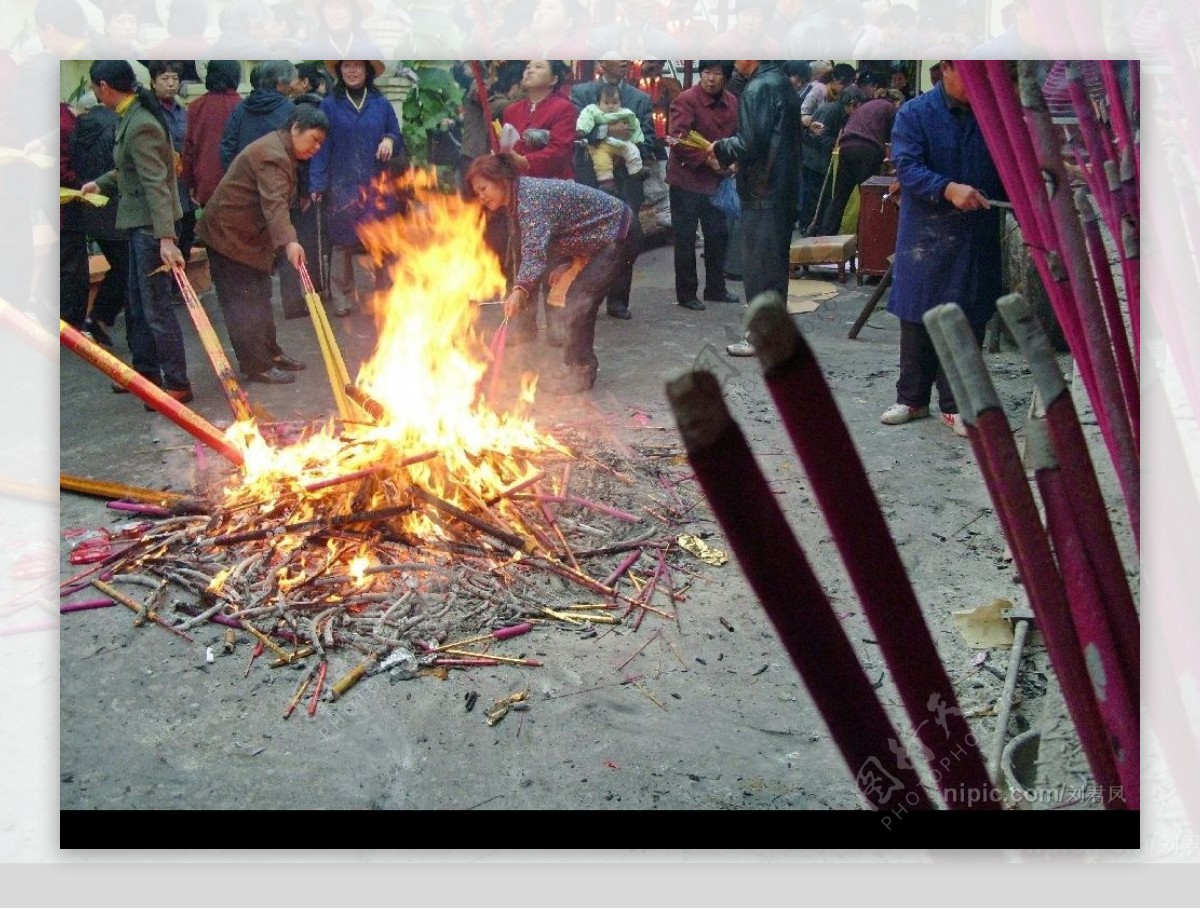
(598,507)
(344,478)
(266,641)
(515,487)
(790,593)
(178,503)
(519,661)
(991,439)
(143,612)
(154,511)
(366,402)
(358,517)
(316,695)
(509,539)
(631,657)
(351,678)
(300,689)
(840,483)
(500,634)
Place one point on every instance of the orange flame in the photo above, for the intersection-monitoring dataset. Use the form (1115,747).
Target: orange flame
(425,371)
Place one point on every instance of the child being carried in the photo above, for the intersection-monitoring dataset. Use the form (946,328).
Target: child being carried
(607,111)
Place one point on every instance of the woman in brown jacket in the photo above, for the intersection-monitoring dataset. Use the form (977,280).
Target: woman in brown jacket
(245,224)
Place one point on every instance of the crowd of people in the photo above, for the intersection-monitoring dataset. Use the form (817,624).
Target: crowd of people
(295,160)
(293,165)
(559,29)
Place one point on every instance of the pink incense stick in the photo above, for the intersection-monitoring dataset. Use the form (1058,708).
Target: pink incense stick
(1106,395)
(499,340)
(1075,464)
(778,571)
(840,484)
(1117,683)
(85,604)
(991,440)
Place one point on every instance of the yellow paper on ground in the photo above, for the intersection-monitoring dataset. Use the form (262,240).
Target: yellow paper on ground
(985,626)
(702,550)
(805,295)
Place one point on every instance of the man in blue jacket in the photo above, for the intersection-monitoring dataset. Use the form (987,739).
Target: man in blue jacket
(948,241)
(266,109)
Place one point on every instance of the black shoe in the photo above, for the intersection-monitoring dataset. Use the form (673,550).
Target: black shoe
(283,361)
(694,305)
(621,313)
(723,296)
(97,332)
(272,376)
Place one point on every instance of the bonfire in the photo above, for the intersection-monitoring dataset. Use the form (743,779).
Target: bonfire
(429,520)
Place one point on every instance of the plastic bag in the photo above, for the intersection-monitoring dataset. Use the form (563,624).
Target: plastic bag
(726,198)
(508,137)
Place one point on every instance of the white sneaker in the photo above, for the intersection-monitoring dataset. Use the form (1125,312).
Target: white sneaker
(955,422)
(740,349)
(902,413)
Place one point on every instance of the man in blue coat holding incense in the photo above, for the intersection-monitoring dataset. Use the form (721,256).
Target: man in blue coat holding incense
(948,242)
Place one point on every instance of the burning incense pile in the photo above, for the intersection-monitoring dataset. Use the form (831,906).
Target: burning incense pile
(433,518)
(335,564)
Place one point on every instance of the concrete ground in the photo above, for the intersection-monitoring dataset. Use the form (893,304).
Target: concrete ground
(720,719)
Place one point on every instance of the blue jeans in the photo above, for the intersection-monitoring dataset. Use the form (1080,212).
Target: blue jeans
(155,339)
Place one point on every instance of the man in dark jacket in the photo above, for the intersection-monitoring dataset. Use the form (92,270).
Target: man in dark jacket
(766,150)
(265,109)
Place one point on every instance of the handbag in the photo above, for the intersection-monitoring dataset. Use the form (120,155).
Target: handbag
(726,198)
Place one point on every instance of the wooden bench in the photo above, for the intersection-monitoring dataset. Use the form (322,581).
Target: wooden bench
(838,250)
